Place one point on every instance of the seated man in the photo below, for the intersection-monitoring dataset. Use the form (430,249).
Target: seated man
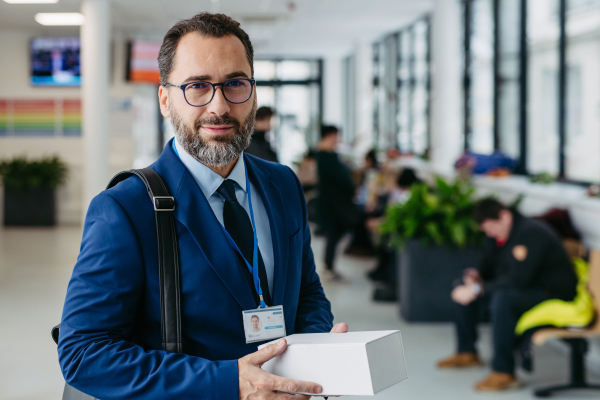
(523,264)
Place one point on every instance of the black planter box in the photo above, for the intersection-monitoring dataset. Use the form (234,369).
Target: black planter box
(426,278)
(34,207)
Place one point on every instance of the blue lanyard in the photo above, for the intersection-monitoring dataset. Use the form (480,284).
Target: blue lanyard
(254,267)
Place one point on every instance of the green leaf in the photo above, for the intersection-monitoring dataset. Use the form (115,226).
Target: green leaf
(434,232)
(459,233)
(441,215)
(21,174)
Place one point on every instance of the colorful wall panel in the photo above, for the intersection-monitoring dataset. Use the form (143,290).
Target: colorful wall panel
(143,63)
(71,117)
(40,117)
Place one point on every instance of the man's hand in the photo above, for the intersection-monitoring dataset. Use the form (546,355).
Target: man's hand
(256,384)
(463,294)
(471,276)
(342,327)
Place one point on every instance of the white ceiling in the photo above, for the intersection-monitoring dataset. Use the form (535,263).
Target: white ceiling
(276,27)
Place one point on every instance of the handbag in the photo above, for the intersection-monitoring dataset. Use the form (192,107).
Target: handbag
(168,266)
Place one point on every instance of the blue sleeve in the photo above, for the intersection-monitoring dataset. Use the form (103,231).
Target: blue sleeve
(101,303)
(314,310)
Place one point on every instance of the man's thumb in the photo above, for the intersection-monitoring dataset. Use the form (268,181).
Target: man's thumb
(268,352)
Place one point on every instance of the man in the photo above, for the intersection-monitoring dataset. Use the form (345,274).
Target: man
(523,264)
(260,146)
(255,322)
(336,210)
(206,89)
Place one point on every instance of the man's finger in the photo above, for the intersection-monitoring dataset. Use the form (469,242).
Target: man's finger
(342,327)
(266,353)
(287,396)
(294,386)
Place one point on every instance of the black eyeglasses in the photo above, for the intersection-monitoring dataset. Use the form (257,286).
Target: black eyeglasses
(198,94)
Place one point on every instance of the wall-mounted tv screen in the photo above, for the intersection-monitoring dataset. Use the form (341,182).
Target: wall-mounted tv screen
(55,61)
(142,66)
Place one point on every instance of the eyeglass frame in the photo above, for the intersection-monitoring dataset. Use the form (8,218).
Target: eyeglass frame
(214,86)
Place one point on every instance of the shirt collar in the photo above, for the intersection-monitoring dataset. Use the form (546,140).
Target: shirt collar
(208,180)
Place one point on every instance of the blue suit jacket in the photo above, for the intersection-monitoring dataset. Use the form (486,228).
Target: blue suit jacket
(114,291)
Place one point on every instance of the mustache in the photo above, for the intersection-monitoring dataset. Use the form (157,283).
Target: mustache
(226,120)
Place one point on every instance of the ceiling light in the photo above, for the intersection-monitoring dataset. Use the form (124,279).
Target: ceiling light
(60,19)
(31,1)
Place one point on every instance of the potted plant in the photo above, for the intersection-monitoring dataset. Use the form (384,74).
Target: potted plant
(29,190)
(437,239)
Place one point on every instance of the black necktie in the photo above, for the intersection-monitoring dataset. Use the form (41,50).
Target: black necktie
(238,225)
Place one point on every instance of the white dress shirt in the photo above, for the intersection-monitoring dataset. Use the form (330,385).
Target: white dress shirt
(209,181)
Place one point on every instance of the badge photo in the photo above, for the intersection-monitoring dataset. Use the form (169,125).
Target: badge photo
(264,324)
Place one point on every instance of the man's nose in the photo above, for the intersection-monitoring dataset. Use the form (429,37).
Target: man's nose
(219,106)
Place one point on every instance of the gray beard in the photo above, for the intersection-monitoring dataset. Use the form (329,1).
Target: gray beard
(221,150)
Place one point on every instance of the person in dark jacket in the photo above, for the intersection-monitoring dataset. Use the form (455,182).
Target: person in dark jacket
(260,146)
(524,263)
(336,210)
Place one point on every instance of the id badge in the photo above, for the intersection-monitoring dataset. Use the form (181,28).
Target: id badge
(263,324)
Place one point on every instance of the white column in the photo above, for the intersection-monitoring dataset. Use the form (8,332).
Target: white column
(333,91)
(363,58)
(446,121)
(95,70)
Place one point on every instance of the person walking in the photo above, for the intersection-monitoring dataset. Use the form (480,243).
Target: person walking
(337,211)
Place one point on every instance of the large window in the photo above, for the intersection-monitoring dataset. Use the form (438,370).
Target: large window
(421,86)
(378,89)
(479,127)
(384,92)
(582,108)
(405,90)
(543,108)
(401,67)
(293,89)
(507,124)
(545,58)
(349,99)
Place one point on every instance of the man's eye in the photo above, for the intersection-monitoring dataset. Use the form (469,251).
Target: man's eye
(235,83)
(199,86)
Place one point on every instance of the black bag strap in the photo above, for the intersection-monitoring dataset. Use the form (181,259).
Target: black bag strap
(168,256)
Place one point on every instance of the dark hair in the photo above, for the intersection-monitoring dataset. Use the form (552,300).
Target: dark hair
(264,112)
(206,24)
(327,130)
(407,178)
(488,208)
(372,156)
(254,316)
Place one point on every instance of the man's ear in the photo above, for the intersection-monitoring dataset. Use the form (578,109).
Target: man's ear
(163,99)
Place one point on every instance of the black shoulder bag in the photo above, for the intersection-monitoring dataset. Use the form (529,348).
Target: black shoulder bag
(168,265)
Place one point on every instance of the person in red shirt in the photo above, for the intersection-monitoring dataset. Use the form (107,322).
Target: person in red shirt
(524,263)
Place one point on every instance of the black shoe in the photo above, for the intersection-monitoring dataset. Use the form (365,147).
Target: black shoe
(377,275)
(360,252)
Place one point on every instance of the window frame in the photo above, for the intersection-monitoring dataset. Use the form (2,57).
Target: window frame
(562,100)
(317,80)
(394,39)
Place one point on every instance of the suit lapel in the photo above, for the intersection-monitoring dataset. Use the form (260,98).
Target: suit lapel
(273,202)
(194,212)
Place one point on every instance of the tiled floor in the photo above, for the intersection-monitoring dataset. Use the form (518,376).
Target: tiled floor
(35,265)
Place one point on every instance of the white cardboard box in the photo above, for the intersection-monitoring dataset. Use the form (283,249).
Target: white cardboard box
(344,364)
